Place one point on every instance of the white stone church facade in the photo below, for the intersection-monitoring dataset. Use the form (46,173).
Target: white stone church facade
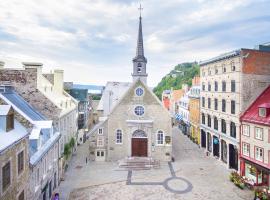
(132,122)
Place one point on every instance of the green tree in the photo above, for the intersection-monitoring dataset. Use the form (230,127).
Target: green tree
(67,151)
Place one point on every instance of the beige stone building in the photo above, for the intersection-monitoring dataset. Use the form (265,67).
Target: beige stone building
(230,83)
(14,156)
(133,122)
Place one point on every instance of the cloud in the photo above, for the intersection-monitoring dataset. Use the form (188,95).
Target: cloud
(95,40)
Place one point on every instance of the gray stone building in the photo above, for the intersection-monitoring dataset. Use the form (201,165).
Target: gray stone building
(132,122)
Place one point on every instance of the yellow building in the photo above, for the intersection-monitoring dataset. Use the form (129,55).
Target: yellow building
(194,110)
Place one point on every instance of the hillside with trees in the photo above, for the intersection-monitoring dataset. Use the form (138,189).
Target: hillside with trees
(181,74)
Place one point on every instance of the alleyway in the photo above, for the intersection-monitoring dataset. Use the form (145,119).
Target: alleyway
(208,177)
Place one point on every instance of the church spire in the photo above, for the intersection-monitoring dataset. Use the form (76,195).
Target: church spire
(139,62)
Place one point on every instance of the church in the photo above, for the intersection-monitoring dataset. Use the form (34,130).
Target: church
(132,120)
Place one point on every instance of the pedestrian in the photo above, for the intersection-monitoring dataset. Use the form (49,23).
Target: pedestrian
(86,160)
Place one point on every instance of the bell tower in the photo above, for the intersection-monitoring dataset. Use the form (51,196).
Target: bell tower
(139,62)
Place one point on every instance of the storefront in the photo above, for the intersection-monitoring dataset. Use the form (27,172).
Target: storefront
(257,174)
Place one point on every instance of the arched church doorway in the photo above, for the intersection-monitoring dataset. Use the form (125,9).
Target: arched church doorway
(139,144)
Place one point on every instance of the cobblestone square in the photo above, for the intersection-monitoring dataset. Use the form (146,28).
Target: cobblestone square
(193,175)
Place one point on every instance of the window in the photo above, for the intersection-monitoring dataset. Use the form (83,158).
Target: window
(224,69)
(119,136)
(258,133)
(259,154)
(216,104)
(139,91)
(209,72)
(100,131)
(232,107)
(203,101)
(203,86)
(20,160)
(209,86)
(209,103)
(223,126)
(232,85)
(10,122)
(246,130)
(139,110)
(160,138)
(100,141)
(139,69)
(233,130)
(233,66)
(216,70)
(223,105)
(262,112)
(21,196)
(209,121)
(246,149)
(6,176)
(203,118)
(216,86)
(215,123)
(223,86)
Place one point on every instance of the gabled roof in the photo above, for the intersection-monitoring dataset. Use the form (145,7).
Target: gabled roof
(11,97)
(147,88)
(252,113)
(4,109)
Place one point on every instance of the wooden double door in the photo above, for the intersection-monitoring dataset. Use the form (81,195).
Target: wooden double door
(139,147)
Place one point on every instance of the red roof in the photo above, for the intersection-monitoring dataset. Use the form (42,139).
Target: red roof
(252,113)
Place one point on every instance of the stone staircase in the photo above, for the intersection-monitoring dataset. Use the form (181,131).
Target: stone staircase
(138,163)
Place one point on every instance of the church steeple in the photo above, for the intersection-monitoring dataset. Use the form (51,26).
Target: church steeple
(139,62)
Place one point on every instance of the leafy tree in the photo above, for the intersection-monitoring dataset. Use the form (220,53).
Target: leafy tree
(66,150)
(181,74)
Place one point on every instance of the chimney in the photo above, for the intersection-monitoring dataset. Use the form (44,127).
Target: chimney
(58,80)
(34,65)
(6,118)
(2,64)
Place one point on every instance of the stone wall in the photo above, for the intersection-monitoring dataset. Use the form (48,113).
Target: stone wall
(19,182)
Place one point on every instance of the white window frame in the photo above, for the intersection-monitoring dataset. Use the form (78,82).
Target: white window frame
(100,131)
(100,141)
(246,149)
(257,135)
(262,112)
(120,139)
(158,141)
(259,154)
(246,130)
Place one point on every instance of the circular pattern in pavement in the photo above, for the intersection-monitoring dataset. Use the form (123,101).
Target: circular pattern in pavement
(177,185)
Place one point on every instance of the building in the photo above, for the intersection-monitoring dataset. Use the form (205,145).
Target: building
(166,99)
(230,83)
(44,92)
(175,97)
(194,110)
(183,112)
(14,156)
(133,121)
(254,141)
(43,146)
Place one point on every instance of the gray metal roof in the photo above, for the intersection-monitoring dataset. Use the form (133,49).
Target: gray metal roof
(23,105)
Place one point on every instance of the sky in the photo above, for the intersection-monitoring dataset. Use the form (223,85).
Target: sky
(94,41)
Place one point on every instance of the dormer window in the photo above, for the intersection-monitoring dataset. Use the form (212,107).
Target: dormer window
(262,112)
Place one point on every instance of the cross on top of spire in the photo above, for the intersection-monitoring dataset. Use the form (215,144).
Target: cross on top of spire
(140,8)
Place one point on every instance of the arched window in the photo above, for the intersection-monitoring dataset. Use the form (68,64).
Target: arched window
(160,138)
(119,136)
(139,69)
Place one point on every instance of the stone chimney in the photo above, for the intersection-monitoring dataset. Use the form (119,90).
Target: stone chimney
(2,64)
(34,67)
(58,80)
